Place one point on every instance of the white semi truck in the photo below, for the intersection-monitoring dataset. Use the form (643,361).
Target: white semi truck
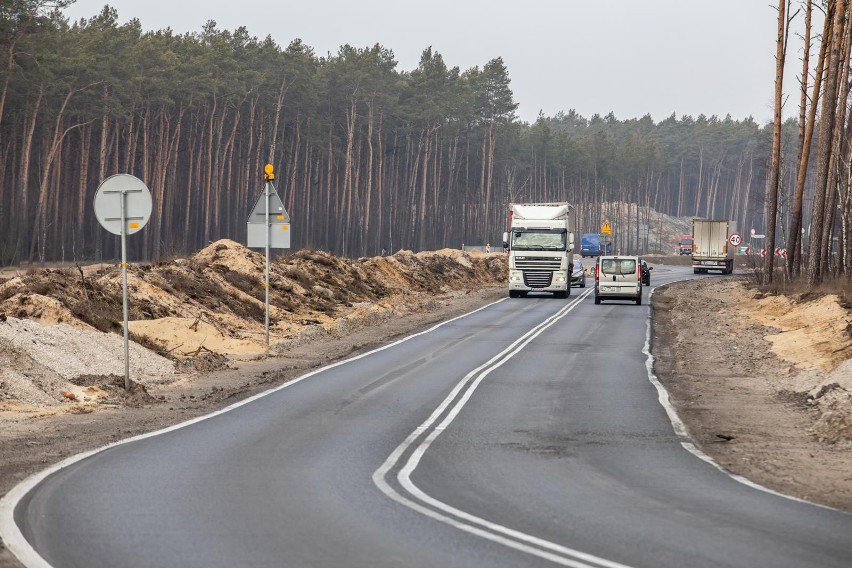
(540,243)
(710,247)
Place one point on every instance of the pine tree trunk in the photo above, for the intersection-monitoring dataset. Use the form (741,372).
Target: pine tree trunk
(26,156)
(806,130)
(775,160)
(368,189)
(837,14)
(835,166)
(78,229)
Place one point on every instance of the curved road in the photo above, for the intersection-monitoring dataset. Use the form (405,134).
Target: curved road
(526,433)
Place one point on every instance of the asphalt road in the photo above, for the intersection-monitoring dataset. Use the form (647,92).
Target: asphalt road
(528,433)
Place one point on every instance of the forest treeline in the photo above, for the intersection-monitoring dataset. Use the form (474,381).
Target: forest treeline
(368,157)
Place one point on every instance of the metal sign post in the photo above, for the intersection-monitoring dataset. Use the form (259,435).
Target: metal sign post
(265,232)
(268,175)
(124,310)
(122,207)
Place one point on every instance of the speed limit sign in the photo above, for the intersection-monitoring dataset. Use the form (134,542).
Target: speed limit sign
(735,239)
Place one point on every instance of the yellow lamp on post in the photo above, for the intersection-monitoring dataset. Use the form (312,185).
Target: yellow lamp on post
(268,213)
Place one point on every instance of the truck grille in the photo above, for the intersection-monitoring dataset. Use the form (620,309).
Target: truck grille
(536,279)
(538,263)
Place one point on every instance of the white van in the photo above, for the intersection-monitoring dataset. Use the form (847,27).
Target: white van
(618,278)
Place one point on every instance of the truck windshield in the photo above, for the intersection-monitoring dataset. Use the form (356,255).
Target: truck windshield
(538,240)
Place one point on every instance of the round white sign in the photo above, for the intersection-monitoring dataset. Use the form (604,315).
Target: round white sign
(137,204)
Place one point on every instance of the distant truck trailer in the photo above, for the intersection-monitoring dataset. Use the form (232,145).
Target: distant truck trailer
(711,249)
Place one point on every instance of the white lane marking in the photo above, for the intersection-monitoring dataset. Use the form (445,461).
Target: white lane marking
(26,554)
(682,432)
(461,519)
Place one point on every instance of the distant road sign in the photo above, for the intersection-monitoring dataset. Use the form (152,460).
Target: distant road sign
(735,239)
(278,230)
(123,207)
(758,236)
(606,228)
(137,204)
(752,232)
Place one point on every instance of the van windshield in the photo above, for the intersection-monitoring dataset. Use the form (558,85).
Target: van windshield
(618,266)
(545,239)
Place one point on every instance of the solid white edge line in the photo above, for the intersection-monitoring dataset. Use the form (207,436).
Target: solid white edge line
(22,550)
(682,432)
(528,543)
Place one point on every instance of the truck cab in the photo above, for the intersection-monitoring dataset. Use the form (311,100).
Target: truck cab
(540,247)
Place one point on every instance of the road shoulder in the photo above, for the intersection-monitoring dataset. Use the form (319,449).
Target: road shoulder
(745,407)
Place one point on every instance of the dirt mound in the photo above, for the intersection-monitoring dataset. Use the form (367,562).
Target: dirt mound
(39,361)
(761,406)
(813,334)
(109,389)
(201,312)
(810,338)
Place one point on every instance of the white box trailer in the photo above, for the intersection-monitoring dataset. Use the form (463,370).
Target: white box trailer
(541,245)
(711,249)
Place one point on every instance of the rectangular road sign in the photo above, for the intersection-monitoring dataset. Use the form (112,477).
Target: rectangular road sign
(279,223)
(279,235)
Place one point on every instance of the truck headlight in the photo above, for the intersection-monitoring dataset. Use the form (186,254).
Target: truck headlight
(559,276)
(516,276)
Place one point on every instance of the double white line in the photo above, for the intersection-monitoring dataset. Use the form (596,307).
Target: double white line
(416,444)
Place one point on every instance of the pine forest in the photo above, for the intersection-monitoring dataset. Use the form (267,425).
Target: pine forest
(371,158)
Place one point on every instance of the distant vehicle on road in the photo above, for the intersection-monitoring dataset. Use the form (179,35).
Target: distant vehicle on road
(591,244)
(578,273)
(541,246)
(711,249)
(685,246)
(646,272)
(618,278)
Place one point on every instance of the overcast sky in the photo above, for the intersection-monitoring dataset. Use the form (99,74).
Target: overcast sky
(631,57)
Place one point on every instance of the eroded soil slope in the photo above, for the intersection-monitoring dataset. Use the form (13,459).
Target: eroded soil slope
(763,382)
